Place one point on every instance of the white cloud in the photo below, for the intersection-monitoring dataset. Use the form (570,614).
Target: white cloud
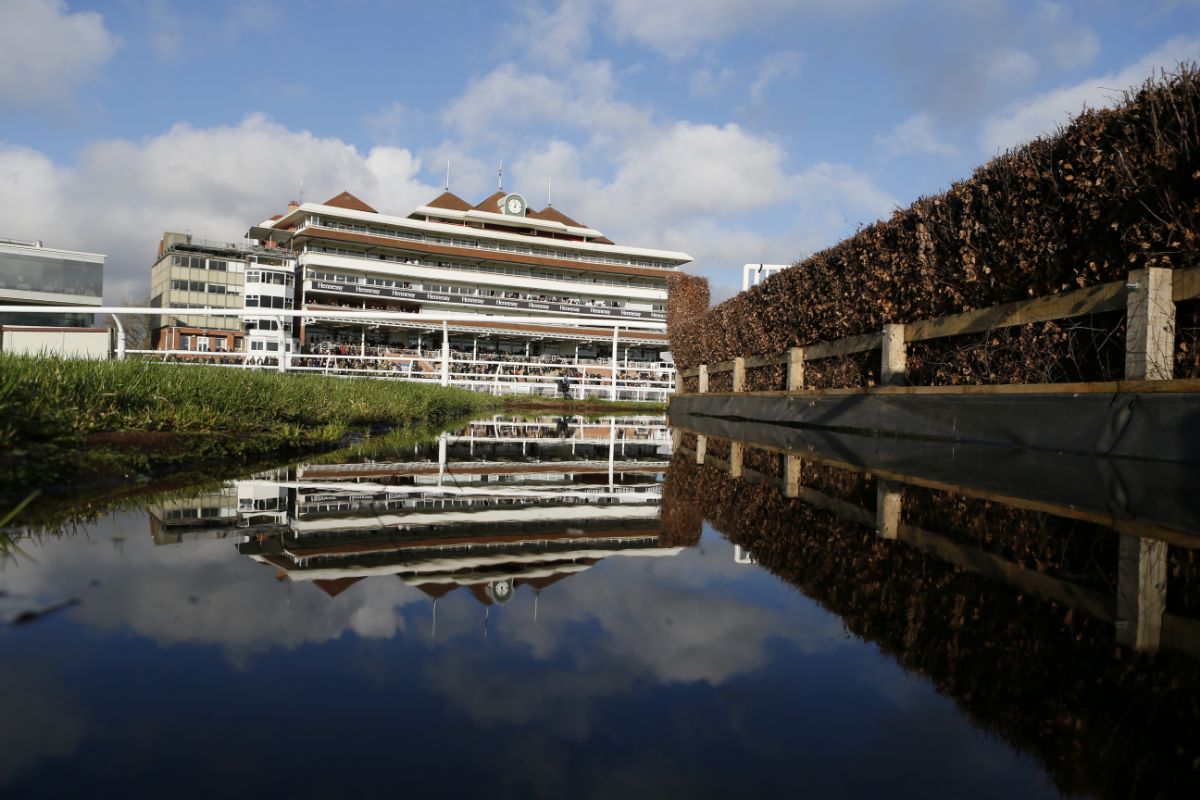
(914,136)
(1041,114)
(676,28)
(783,64)
(47,52)
(713,191)
(1011,66)
(1068,44)
(510,98)
(707,81)
(120,196)
(557,37)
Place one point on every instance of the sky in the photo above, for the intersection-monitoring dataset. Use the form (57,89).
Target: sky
(738,131)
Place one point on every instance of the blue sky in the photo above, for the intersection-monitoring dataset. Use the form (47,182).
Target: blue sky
(751,131)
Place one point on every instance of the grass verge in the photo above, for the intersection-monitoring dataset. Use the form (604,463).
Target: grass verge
(71,422)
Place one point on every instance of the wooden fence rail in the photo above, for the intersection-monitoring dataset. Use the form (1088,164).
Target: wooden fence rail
(1148,297)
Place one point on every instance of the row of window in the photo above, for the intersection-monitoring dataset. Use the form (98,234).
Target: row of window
(200,286)
(541,274)
(267,301)
(475,244)
(447,288)
(272,278)
(199,262)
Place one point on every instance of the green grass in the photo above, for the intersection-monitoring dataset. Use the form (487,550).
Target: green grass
(53,400)
(54,414)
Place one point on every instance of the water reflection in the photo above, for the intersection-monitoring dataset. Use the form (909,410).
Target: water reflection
(562,605)
(502,506)
(1067,624)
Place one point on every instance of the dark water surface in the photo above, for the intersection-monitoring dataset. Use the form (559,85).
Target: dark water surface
(554,608)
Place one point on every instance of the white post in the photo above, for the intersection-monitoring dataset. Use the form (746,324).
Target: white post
(614,363)
(282,345)
(612,448)
(445,353)
(362,342)
(475,349)
(120,337)
(442,458)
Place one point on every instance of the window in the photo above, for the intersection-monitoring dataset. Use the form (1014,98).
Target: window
(216,288)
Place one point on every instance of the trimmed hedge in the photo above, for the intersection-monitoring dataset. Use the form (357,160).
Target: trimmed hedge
(1115,190)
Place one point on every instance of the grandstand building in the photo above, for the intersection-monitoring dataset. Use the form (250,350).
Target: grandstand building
(535,287)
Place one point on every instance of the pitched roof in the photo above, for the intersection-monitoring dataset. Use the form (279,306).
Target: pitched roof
(336,586)
(550,212)
(450,201)
(436,590)
(347,200)
(492,202)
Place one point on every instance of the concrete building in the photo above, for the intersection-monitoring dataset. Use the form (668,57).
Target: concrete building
(34,275)
(193,273)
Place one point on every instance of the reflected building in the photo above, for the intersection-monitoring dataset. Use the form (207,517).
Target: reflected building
(501,504)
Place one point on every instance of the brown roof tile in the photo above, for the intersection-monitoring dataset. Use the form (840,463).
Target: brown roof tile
(336,586)
(492,202)
(550,212)
(449,200)
(347,200)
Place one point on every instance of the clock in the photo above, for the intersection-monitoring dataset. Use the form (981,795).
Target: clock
(513,205)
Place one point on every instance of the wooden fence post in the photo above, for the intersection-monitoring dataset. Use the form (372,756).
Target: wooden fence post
(702,379)
(887,509)
(791,475)
(1150,326)
(736,451)
(795,369)
(701,445)
(1141,592)
(894,356)
(739,374)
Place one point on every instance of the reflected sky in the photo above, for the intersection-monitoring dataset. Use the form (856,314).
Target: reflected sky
(192,669)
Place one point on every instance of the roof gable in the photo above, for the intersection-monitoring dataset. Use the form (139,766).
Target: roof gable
(450,201)
(347,200)
(492,202)
(550,212)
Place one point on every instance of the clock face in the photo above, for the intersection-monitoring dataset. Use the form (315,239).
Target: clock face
(513,205)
